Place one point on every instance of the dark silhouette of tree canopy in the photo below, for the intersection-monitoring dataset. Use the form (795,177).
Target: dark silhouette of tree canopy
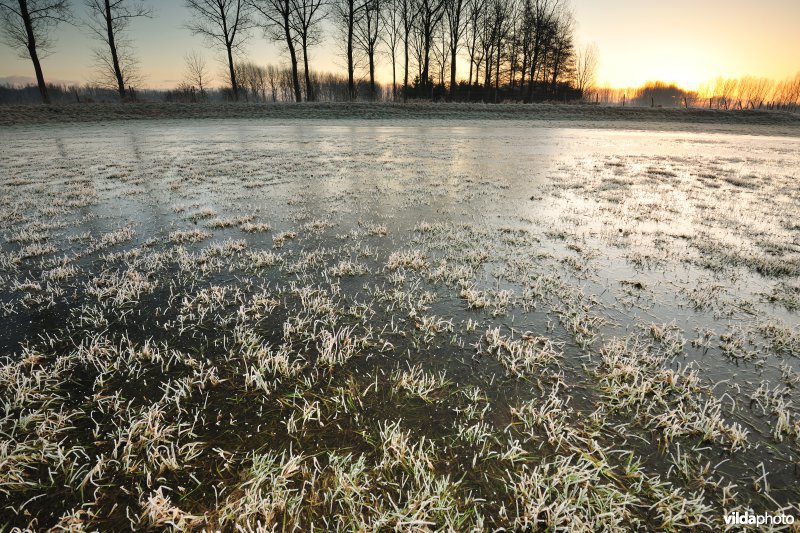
(225,22)
(109,21)
(28,27)
(659,94)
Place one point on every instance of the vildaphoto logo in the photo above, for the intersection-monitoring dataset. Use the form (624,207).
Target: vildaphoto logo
(748,518)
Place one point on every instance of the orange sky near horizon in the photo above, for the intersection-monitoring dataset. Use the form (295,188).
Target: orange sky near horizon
(690,42)
(683,41)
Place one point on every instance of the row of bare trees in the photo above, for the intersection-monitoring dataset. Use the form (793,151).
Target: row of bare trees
(751,92)
(523,49)
(274,83)
(747,92)
(229,23)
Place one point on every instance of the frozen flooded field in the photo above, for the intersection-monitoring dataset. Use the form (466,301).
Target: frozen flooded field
(364,325)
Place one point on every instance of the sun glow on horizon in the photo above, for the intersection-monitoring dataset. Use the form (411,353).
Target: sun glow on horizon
(689,43)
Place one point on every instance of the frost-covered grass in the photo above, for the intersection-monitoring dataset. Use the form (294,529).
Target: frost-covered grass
(255,336)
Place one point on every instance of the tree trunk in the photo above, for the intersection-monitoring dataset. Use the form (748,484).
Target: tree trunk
(372,73)
(534,64)
(556,66)
(113,46)
(487,72)
(234,85)
(351,83)
(426,62)
(469,80)
(514,69)
(453,54)
(37,67)
(298,97)
(394,72)
(405,70)
(497,75)
(229,47)
(309,88)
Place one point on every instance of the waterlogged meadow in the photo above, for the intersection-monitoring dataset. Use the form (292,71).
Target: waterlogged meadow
(353,325)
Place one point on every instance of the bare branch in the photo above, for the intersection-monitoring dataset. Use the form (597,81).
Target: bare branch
(225,22)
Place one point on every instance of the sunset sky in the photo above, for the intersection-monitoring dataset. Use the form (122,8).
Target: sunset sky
(683,41)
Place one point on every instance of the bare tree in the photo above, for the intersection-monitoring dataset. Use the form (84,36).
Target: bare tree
(430,15)
(525,38)
(279,25)
(440,50)
(253,79)
(586,61)
(109,21)
(197,74)
(753,91)
(487,40)
(28,27)
(725,89)
(226,22)
(273,76)
(305,22)
(563,48)
(475,11)
(456,26)
(787,93)
(408,17)
(391,16)
(418,49)
(792,91)
(513,42)
(366,36)
(543,17)
(346,14)
(501,27)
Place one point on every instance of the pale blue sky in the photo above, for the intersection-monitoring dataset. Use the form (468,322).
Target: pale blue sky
(686,41)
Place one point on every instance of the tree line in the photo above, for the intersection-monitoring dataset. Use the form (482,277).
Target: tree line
(747,92)
(511,49)
(750,92)
(270,83)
